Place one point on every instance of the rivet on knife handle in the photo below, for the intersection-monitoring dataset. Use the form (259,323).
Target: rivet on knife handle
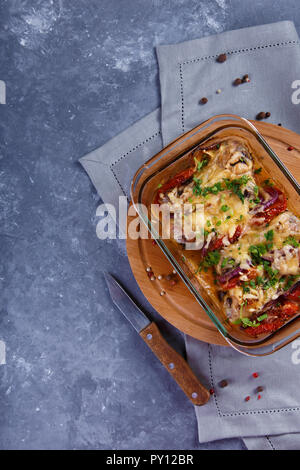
(176,365)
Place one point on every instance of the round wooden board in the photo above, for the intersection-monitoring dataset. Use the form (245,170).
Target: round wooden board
(178,306)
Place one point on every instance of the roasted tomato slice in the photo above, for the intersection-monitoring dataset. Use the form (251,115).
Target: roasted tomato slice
(217,243)
(236,234)
(264,328)
(270,212)
(233,282)
(294,294)
(177,180)
(277,317)
(288,309)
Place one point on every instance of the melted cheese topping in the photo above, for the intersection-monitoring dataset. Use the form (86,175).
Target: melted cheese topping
(225,192)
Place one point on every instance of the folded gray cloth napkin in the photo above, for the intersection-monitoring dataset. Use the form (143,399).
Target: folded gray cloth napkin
(270,54)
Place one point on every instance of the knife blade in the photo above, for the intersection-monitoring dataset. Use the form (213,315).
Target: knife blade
(149,332)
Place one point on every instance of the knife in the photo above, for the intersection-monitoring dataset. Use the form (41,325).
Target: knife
(171,360)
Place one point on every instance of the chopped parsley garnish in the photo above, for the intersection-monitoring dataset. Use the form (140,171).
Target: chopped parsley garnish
(218,223)
(268,182)
(269,235)
(236,184)
(224,208)
(159,185)
(290,240)
(215,189)
(290,281)
(262,317)
(211,259)
(256,252)
(227,262)
(273,279)
(257,171)
(202,164)
(246,322)
(197,186)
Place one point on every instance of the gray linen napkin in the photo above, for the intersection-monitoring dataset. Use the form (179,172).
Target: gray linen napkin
(271,56)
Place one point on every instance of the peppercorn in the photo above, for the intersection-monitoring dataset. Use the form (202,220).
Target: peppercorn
(255,375)
(223,383)
(237,81)
(268,114)
(259,389)
(211,391)
(203,100)
(169,277)
(246,78)
(222,58)
(279,124)
(261,116)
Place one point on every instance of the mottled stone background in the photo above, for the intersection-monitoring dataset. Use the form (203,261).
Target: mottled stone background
(77,72)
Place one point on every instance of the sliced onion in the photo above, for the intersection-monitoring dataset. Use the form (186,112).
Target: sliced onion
(230,274)
(274,195)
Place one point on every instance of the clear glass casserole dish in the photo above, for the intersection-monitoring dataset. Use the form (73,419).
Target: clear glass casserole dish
(176,158)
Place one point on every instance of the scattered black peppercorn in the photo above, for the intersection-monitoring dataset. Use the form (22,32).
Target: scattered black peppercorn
(237,81)
(268,114)
(203,100)
(246,78)
(279,124)
(261,116)
(221,58)
(223,383)
(259,389)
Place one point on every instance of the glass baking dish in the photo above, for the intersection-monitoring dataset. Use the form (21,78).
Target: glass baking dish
(175,158)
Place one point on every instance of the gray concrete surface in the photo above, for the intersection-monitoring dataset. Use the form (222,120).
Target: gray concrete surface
(78,72)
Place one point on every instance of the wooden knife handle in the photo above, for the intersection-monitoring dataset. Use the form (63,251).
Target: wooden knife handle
(175,365)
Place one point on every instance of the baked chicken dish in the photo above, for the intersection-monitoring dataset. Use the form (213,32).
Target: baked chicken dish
(249,259)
